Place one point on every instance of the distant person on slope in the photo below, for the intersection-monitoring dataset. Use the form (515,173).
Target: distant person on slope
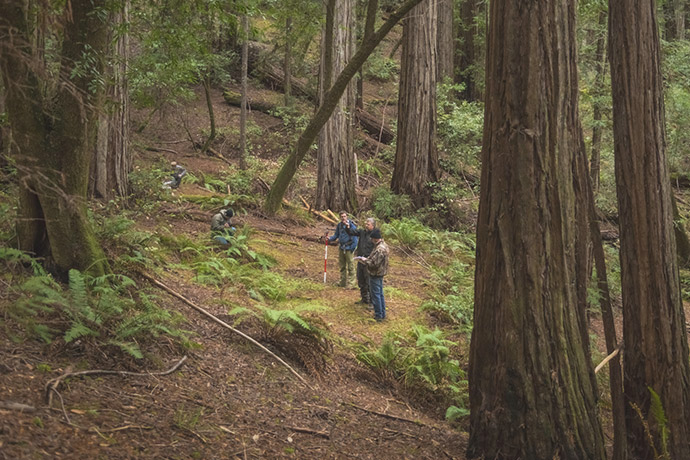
(377,264)
(221,229)
(346,250)
(178,172)
(364,248)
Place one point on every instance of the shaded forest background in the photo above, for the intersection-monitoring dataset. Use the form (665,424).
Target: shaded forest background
(284,111)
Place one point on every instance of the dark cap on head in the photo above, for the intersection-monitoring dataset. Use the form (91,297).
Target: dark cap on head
(228,213)
(375,234)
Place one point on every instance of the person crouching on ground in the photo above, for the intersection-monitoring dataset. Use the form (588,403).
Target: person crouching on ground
(377,265)
(221,230)
(347,245)
(364,248)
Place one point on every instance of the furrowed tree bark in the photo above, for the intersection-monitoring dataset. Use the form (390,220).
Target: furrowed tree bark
(336,162)
(598,105)
(330,100)
(416,157)
(54,136)
(656,347)
(445,40)
(112,161)
(532,388)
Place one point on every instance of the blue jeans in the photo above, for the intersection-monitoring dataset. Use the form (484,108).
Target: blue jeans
(376,293)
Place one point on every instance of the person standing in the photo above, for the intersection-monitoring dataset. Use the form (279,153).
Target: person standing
(347,244)
(377,265)
(364,248)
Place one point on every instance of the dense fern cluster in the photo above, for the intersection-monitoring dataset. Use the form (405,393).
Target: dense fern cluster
(89,311)
(419,361)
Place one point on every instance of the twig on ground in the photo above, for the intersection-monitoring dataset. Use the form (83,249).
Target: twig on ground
(226,325)
(11,405)
(392,417)
(53,384)
(323,434)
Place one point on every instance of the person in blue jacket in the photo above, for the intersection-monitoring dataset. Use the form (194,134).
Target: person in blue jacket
(347,245)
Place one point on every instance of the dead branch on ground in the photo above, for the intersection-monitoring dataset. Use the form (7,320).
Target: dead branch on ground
(225,325)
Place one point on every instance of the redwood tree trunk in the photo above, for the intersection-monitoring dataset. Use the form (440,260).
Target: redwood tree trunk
(446,40)
(532,388)
(330,101)
(54,137)
(416,157)
(466,52)
(112,161)
(336,162)
(656,347)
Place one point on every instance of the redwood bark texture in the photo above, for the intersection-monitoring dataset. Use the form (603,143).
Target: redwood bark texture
(112,160)
(416,157)
(656,348)
(336,162)
(445,40)
(532,389)
(54,136)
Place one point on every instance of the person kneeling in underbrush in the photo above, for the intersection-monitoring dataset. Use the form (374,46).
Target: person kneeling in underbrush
(221,229)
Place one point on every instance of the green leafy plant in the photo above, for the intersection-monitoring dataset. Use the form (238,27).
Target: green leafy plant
(388,205)
(303,338)
(420,360)
(90,311)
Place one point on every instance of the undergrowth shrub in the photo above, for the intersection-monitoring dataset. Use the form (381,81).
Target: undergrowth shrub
(303,338)
(453,294)
(388,205)
(418,361)
(90,312)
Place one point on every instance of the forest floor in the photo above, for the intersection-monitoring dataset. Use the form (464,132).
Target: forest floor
(229,399)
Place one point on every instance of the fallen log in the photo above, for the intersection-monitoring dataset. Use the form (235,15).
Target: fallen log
(375,127)
(272,75)
(235,100)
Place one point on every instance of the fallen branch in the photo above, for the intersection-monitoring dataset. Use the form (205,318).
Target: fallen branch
(215,153)
(608,358)
(392,417)
(157,149)
(10,405)
(332,214)
(225,325)
(322,434)
(53,384)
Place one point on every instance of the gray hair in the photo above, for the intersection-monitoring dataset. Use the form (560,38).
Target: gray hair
(372,220)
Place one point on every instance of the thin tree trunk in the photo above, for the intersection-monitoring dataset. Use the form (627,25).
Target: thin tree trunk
(466,51)
(112,160)
(416,157)
(532,387)
(597,106)
(656,347)
(615,370)
(330,100)
(369,24)
(211,115)
(287,64)
(243,104)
